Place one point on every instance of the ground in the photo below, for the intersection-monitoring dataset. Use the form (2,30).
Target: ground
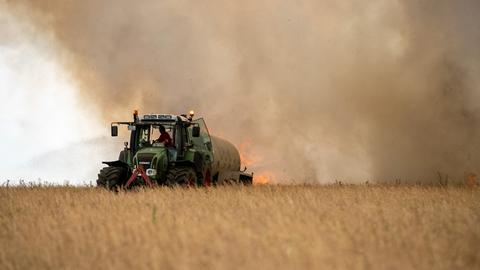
(258,227)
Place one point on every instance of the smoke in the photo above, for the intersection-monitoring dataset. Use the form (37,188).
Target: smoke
(320,90)
(40,115)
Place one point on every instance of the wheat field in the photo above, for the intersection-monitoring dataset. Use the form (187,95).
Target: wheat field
(257,227)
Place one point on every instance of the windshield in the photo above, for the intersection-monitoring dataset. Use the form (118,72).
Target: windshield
(151,135)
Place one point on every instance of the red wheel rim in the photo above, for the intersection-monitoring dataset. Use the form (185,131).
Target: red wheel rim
(208,179)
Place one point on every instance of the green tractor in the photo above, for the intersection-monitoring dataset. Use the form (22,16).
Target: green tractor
(171,150)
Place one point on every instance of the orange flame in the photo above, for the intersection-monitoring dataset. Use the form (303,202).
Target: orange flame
(252,159)
(263,178)
(246,156)
(472,180)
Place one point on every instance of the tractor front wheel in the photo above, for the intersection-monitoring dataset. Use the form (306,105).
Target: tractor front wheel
(112,177)
(183,176)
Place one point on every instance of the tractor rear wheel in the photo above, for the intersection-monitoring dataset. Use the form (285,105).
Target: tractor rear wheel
(183,176)
(112,177)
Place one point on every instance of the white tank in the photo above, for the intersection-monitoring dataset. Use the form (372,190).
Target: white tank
(226,157)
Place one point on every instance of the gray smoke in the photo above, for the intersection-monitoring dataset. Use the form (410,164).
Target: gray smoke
(320,90)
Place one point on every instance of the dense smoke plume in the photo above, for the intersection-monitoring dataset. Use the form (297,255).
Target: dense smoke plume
(312,90)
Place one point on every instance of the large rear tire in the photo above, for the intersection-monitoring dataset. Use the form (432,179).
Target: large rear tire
(183,176)
(112,178)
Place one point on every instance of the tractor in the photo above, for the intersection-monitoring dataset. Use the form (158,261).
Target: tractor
(187,156)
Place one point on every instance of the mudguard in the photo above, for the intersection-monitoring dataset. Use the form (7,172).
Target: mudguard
(117,163)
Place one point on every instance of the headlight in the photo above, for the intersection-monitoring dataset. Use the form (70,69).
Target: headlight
(151,172)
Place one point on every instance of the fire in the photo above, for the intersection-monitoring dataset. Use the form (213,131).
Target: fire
(472,180)
(263,178)
(246,155)
(255,160)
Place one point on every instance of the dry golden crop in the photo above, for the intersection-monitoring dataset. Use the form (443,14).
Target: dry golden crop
(259,227)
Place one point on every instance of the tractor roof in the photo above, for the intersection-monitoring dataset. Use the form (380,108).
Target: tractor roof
(163,118)
(159,117)
(154,118)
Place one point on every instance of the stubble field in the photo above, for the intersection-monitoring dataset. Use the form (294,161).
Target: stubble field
(259,227)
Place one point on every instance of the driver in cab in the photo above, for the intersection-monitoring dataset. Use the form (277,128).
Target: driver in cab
(164,137)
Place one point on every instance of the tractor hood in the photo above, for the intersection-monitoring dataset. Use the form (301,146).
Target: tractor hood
(154,160)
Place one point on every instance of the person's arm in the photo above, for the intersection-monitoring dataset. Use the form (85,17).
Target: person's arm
(168,140)
(164,137)
(159,140)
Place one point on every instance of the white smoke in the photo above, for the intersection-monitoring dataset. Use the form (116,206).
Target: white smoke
(40,111)
(323,90)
